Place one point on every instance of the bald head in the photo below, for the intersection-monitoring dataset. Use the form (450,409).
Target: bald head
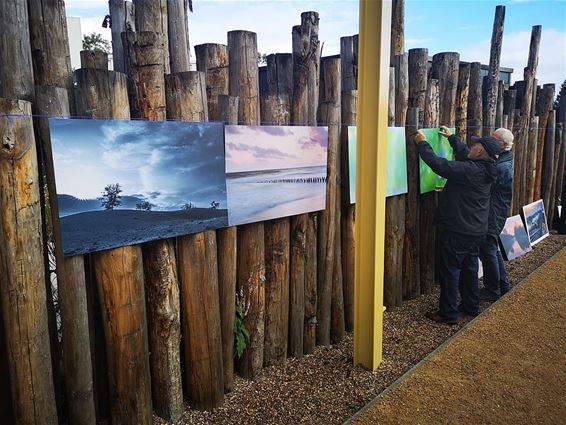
(505,137)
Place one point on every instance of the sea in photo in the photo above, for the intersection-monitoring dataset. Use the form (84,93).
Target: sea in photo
(535,221)
(128,182)
(274,171)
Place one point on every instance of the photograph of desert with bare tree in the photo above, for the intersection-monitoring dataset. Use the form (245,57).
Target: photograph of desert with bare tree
(127,182)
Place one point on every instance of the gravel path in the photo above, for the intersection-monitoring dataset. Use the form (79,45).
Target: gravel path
(505,368)
(325,387)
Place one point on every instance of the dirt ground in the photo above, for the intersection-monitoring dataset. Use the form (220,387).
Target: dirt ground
(508,367)
(325,387)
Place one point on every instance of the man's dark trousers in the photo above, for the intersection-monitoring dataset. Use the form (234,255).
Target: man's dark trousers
(458,269)
(494,277)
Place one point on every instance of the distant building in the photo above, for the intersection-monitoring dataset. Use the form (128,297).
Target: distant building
(75,41)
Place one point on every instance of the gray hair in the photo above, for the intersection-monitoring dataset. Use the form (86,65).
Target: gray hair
(504,135)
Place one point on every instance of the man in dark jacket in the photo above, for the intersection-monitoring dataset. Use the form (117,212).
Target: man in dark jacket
(495,279)
(462,215)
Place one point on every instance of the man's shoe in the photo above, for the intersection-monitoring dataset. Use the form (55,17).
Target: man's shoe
(486,295)
(466,313)
(439,318)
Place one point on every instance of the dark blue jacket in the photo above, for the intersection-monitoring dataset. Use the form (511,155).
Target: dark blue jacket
(501,189)
(463,205)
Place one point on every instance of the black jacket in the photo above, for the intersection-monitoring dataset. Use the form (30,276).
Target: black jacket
(501,194)
(463,205)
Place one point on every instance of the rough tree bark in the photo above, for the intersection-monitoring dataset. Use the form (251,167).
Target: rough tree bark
(475,120)
(491,80)
(212,59)
(179,53)
(22,281)
(151,16)
(95,59)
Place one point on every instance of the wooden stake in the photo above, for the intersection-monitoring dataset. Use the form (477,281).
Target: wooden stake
(212,59)
(418,61)
(445,69)
(491,80)
(16,69)
(151,16)
(22,281)
(462,100)
(499,110)
(101,94)
(144,67)
(118,26)
(179,53)
(553,199)
(280,75)
(475,120)
(186,96)
(530,166)
(397,29)
(547,97)
(428,201)
(244,83)
(164,326)
(349,73)
(548,160)
(509,102)
(95,59)
(71,283)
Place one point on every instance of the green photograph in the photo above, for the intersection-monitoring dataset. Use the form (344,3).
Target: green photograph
(396,183)
(441,146)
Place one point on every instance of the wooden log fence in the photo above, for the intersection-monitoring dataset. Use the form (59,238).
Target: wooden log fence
(293,277)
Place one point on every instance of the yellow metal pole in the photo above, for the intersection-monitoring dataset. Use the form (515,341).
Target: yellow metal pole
(373,89)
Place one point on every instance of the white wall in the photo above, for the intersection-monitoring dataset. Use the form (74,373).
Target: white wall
(75,41)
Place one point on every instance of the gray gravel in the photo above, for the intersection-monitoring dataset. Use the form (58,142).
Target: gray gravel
(325,387)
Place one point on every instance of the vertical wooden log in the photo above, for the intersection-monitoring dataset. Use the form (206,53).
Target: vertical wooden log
(553,199)
(164,324)
(96,59)
(197,255)
(547,97)
(118,26)
(411,253)
(475,120)
(119,275)
(401,65)
(445,69)
(349,97)
(397,29)
(547,165)
(244,83)
(227,276)
(16,69)
(5,389)
(462,100)
(499,110)
(22,281)
(279,75)
(212,59)
(71,283)
(428,201)
(491,80)
(144,66)
(151,16)
(418,60)
(179,53)
(49,43)
(303,281)
(349,61)
(509,102)
(186,96)
(275,109)
(530,165)
(198,270)
(524,103)
(328,220)
(391,101)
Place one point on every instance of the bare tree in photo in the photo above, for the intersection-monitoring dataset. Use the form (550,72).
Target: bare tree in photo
(111,197)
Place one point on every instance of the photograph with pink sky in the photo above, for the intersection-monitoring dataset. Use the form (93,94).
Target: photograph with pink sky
(274,171)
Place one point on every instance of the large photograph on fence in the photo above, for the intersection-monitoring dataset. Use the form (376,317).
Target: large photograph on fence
(514,239)
(274,171)
(535,221)
(396,172)
(127,182)
(429,180)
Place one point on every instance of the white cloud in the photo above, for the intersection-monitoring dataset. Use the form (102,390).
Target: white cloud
(416,42)
(515,52)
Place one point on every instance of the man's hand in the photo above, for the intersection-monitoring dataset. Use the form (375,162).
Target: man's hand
(444,131)
(420,137)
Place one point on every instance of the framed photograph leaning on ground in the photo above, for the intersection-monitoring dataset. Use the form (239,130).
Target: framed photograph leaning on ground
(513,239)
(535,221)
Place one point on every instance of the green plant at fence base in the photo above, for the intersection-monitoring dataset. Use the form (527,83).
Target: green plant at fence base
(241,334)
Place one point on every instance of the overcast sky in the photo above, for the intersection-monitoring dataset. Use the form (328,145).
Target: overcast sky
(274,148)
(168,163)
(439,25)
